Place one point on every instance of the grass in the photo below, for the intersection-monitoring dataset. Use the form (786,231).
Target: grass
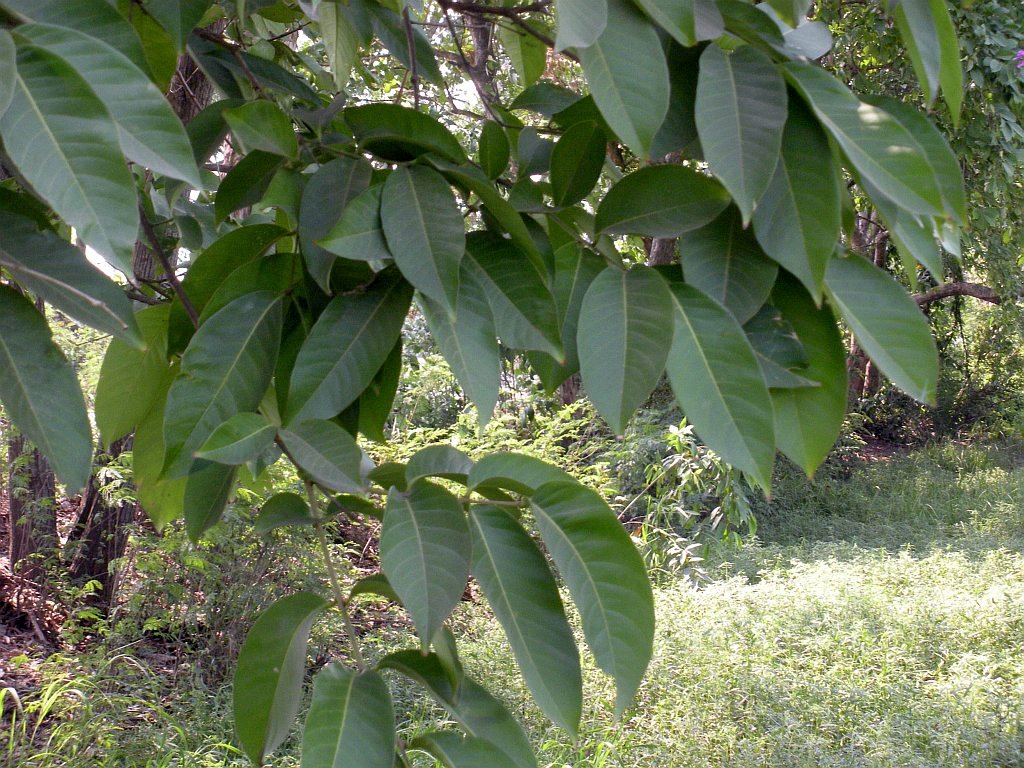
(878,621)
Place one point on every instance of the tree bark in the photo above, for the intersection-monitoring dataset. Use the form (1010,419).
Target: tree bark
(974,290)
(33,513)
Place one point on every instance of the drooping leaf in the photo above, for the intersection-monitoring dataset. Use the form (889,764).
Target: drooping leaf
(40,392)
(688,21)
(268,676)
(59,273)
(527,54)
(457,751)
(162,500)
(438,461)
(545,98)
(879,148)
(493,149)
(62,139)
(327,195)
(346,347)
(178,17)
(262,125)
(275,273)
(927,31)
(398,133)
(377,401)
(245,184)
(718,382)
(887,323)
(628,75)
(225,369)
(580,22)
(625,331)
(341,42)
(394,34)
(282,509)
(606,577)
(779,352)
(576,162)
(797,220)
(661,201)
(238,440)
(791,11)
(358,235)
(678,133)
(351,722)
(208,489)
(724,261)
(424,552)
(808,420)
(206,131)
(424,231)
(327,453)
(522,592)
(740,112)
(374,584)
(751,24)
(513,471)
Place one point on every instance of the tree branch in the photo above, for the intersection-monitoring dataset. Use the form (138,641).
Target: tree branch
(157,249)
(974,290)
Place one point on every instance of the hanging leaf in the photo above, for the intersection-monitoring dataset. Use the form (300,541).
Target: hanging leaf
(580,22)
(268,676)
(678,133)
(740,112)
(606,577)
(719,385)
(178,17)
(346,347)
(545,98)
(375,584)
(238,440)
(327,453)
(628,75)
(162,500)
(493,150)
(514,472)
(625,331)
(276,273)
(528,55)
(40,392)
(398,133)
(262,125)
(887,323)
(377,401)
(688,21)
(424,552)
(724,261)
(63,141)
(341,42)
(208,488)
(283,509)
(927,30)
(661,201)
(246,183)
(351,721)
(438,461)
(391,30)
(524,596)
(576,162)
(358,235)
(457,751)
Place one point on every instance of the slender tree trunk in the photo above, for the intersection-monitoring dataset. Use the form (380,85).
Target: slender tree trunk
(33,512)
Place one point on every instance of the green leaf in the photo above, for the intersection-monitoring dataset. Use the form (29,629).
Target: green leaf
(208,488)
(528,55)
(378,399)
(606,577)
(927,31)
(393,33)
(628,75)
(346,347)
(162,500)
(522,305)
(740,112)
(625,331)
(62,139)
(131,379)
(8,69)
(424,231)
(283,509)
(149,131)
(358,235)
(246,183)
(580,22)
(779,351)
(545,98)
(493,149)
(678,133)
(719,385)
(262,125)
(808,420)
(178,17)
(576,163)
(206,131)
(438,461)
(661,201)
(424,552)
(879,148)
(751,24)
(211,268)
(268,676)
(325,198)
(59,273)
(40,392)
(276,273)
(238,440)
(374,584)
(351,723)
(688,21)
(398,133)
(477,711)
(797,220)
(513,471)
(793,12)
(225,369)
(887,323)
(520,588)
(724,261)
(327,453)
(468,343)
(457,751)
(341,42)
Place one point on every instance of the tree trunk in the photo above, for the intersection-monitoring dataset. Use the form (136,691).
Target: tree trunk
(33,512)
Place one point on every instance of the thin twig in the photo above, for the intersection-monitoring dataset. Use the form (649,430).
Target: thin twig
(410,42)
(165,262)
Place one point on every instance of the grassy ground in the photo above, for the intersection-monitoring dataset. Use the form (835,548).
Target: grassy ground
(879,621)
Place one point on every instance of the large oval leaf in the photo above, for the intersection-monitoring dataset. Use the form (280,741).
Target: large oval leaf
(346,347)
(606,577)
(393,132)
(576,162)
(438,461)
(888,324)
(351,723)
(580,22)
(240,439)
(514,472)
(268,676)
(520,588)
(661,201)
(688,21)
(628,75)
(327,452)
(456,751)
(61,138)
(226,369)
(264,126)
(424,552)
(740,111)
(283,509)
(625,331)
(39,390)
(208,488)
(359,234)
(718,382)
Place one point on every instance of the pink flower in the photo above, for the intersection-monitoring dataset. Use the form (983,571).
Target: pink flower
(1019,59)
